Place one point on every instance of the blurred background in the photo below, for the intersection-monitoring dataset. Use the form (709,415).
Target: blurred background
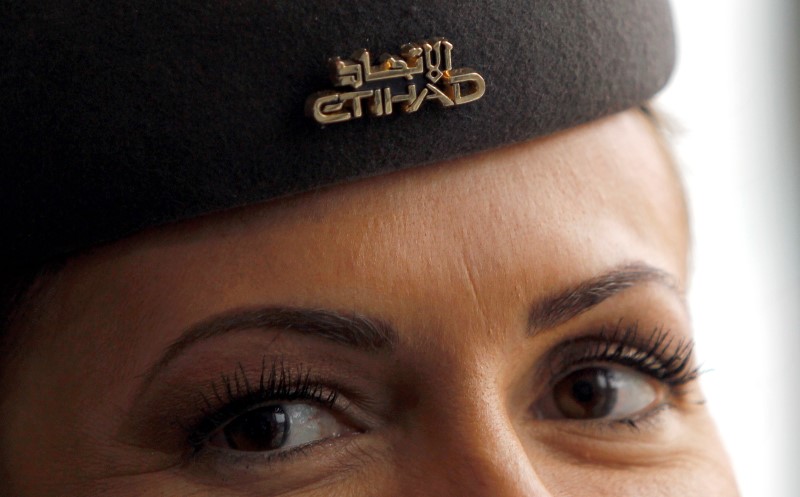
(735,98)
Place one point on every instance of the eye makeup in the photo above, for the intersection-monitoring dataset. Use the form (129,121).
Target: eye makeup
(617,376)
(226,376)
(655,353)
(235,395)
(236,404)
(277,418)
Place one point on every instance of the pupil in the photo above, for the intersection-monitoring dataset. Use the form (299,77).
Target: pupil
(586,394)
(583,391)
(262,429)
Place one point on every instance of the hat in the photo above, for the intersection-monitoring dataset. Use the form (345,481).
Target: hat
(119,116)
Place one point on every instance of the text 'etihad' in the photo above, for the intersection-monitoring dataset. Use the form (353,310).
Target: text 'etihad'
(450,87)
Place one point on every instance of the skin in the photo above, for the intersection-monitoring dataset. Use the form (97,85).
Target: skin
(453,257)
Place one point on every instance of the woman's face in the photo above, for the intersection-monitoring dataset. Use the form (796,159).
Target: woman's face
(512,323)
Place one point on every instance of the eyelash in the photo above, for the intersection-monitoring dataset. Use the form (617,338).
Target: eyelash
(236,395)
(656,354)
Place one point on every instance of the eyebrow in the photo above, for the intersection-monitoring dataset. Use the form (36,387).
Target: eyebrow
(353,330)
(563,306)
(375,335)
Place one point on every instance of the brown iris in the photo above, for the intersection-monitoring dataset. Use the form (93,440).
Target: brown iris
(588,393)
(262,429)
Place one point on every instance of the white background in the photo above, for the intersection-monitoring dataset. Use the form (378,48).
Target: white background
(736,95)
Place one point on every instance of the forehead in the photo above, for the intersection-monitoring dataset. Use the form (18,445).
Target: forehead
(540,214)
(613,172)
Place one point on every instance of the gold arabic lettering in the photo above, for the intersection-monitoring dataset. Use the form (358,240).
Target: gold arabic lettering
(433,58)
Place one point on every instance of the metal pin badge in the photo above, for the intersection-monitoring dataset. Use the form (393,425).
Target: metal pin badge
(423,71)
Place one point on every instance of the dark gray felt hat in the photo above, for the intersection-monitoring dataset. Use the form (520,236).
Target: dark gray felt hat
(118,116)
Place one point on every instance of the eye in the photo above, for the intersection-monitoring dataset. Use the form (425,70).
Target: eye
(275,427)
(600,392)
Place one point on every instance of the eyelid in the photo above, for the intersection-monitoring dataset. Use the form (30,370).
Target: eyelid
(658,353)
(276,471)
(231,396)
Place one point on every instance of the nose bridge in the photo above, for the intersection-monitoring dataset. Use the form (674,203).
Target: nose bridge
(478,452)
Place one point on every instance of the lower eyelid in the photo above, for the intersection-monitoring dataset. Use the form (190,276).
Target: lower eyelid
(226,456)
(609,439)
(647,417)
(318,460)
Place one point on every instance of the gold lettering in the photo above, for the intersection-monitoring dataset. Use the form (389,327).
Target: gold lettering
(412,53)
(346,73)
(431,60)
(437,94)
(376,107)
(408,98)
(464,76)
(354,97)
(434,59)
(324,108)
(414,106)
(387,100)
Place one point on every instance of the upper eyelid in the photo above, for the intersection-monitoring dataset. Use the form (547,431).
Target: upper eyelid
(236,394)
(353,329)
(659,344)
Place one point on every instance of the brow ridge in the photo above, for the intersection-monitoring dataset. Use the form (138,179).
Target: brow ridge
(349,329)
(567,304)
